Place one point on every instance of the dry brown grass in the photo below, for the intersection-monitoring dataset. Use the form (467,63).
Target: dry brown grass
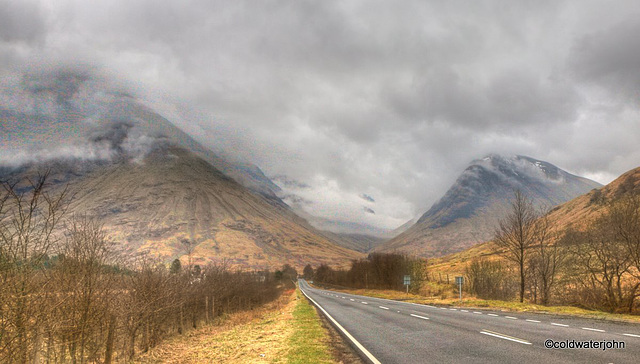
(258,336)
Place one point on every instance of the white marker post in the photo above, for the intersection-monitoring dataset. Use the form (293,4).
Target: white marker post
(459,281)
(407,282)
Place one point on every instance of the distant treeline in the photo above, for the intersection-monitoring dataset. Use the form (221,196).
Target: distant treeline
(596,267)
(70,297)
(377,271)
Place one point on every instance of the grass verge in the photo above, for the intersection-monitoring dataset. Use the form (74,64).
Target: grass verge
(287,330)
(257,336)
(510,306)
(309,342)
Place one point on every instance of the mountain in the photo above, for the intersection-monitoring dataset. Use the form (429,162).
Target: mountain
(576,214)
(172,194)
(152,185)
(469,211)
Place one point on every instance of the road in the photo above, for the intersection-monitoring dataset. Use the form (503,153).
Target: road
(401,332)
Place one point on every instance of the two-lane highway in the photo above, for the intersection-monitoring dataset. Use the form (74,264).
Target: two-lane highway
(401,332)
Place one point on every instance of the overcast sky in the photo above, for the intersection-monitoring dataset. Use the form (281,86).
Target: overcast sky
(373,107)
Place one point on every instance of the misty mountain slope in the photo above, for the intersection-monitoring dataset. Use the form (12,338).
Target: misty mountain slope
(469,211)
(249,175)
(73,115)
(172,194)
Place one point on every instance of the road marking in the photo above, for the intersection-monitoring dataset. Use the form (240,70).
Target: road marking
(443,308)
(590,329)
(384,308)
(352,299)
(346,333)
(511,317)
(431,306)
(505,337)
(464,310)
(632,335)
(561,325)
(532,320)
(453,309)
(492,314)
(343,297)
(364,303)
(420,317)
(477,313)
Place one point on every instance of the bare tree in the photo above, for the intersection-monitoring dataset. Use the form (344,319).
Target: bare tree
(86,289)
(28,218)
(516,233)
(547,257)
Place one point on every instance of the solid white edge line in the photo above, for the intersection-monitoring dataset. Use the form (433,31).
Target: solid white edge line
(384,308)
(344,331)
(590,329)
(632,335)
(532,320)
(506,338)
(561,325)
(418,316)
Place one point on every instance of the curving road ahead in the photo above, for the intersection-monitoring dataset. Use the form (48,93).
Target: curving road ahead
(400,332)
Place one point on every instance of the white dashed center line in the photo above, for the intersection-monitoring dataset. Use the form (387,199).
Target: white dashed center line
(464,310)
(364,303)
(532,320)
(561,325)
(505,337)
(590,329)
(420,317)
(511,317)
(477,313)
(492,314)
(384,308)
(632,335)
(453,309)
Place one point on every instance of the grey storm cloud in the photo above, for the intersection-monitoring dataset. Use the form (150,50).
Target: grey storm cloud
(351,98)
(21,22)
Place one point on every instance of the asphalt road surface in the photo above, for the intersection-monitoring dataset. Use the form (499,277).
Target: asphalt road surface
(400,332)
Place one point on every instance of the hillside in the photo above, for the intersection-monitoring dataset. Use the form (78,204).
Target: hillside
(469,211)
